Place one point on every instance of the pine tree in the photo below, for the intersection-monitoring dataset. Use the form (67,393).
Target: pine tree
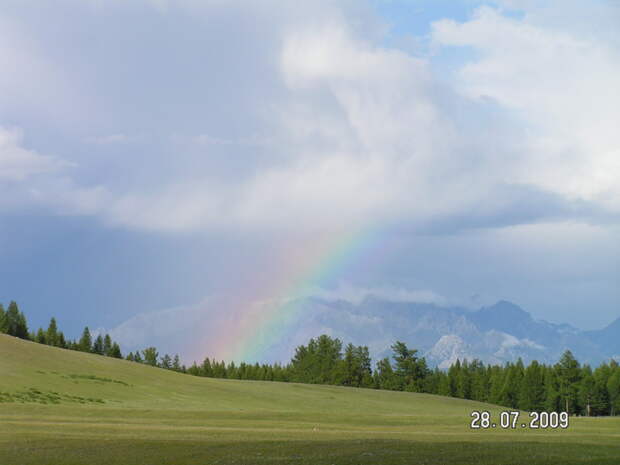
(509,396)
(194,370)
(496,381)
(40,337)
(165,362)
(463,381)
(479,381)
(52,333)
(532,394)
(61,342)
(568,374)
(176,363)
(356,367)
(613,389)
(3,320)
(552,391)
(586,390)
(410,370)
(453,375)
(115,351)
(443,384)
(16,322)
(86,342)
(107,345)
(385,378)
(206,368)
(150,355)
(22,327)
(348,366)
(98,345)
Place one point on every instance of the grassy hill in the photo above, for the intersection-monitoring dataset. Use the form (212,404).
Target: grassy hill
(64,407)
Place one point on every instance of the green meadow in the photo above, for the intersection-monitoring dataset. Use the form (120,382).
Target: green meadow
(65,407)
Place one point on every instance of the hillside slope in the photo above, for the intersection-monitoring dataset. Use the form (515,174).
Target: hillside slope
(117,383)
(71,408)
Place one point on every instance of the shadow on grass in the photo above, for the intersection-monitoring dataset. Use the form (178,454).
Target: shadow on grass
(34,395)
(316,452)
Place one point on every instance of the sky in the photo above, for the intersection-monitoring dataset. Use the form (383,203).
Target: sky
(159,155)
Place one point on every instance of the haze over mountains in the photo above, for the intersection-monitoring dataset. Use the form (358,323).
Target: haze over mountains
(495,334)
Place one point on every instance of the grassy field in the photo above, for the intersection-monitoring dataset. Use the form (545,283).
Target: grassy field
(62,407)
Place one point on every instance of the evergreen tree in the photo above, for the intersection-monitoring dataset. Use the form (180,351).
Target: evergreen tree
(3,320)
(454,372)
(107,345)
(206,368)
(319,362)
(52,333)
(443,383)
(385,378)
(327,356)
(16,322)
(509,396)
(219,369)
(61,342)
(496,382)
(176,363)
(98,345)
(410,370)
(40,337)
(463,381)
(86,341)
(480,383)
(165,362)
(532,394)
(586,390)
(568,374)
(115,351)
(600,399)
(150,355)
(194,370)
(613,389)
(356,367)
(552,391)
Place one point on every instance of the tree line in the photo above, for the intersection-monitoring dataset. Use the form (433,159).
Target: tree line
(565,386)
(13,322)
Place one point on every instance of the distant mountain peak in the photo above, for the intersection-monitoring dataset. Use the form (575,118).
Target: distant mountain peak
(506,306)
(614,326)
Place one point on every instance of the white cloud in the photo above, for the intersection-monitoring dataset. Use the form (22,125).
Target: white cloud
(355,294)
(117,138)
(351,131)
(18,163)
(563,89)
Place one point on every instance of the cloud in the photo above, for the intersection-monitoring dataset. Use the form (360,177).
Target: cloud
(309,121)
(236,135)
(356,294)
(30,179)
(117,138)
(18,163)
(561,87)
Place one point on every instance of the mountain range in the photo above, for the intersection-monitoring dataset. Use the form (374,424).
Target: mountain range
(495,334)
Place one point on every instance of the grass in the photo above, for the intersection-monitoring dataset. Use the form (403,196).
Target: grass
(113,412)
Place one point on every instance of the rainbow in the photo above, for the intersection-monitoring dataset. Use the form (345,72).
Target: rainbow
(251,328)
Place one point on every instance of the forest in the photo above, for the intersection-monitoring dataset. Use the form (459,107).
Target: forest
(566,385)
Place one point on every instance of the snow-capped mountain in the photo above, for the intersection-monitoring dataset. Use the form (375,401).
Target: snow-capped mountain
(496,334)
